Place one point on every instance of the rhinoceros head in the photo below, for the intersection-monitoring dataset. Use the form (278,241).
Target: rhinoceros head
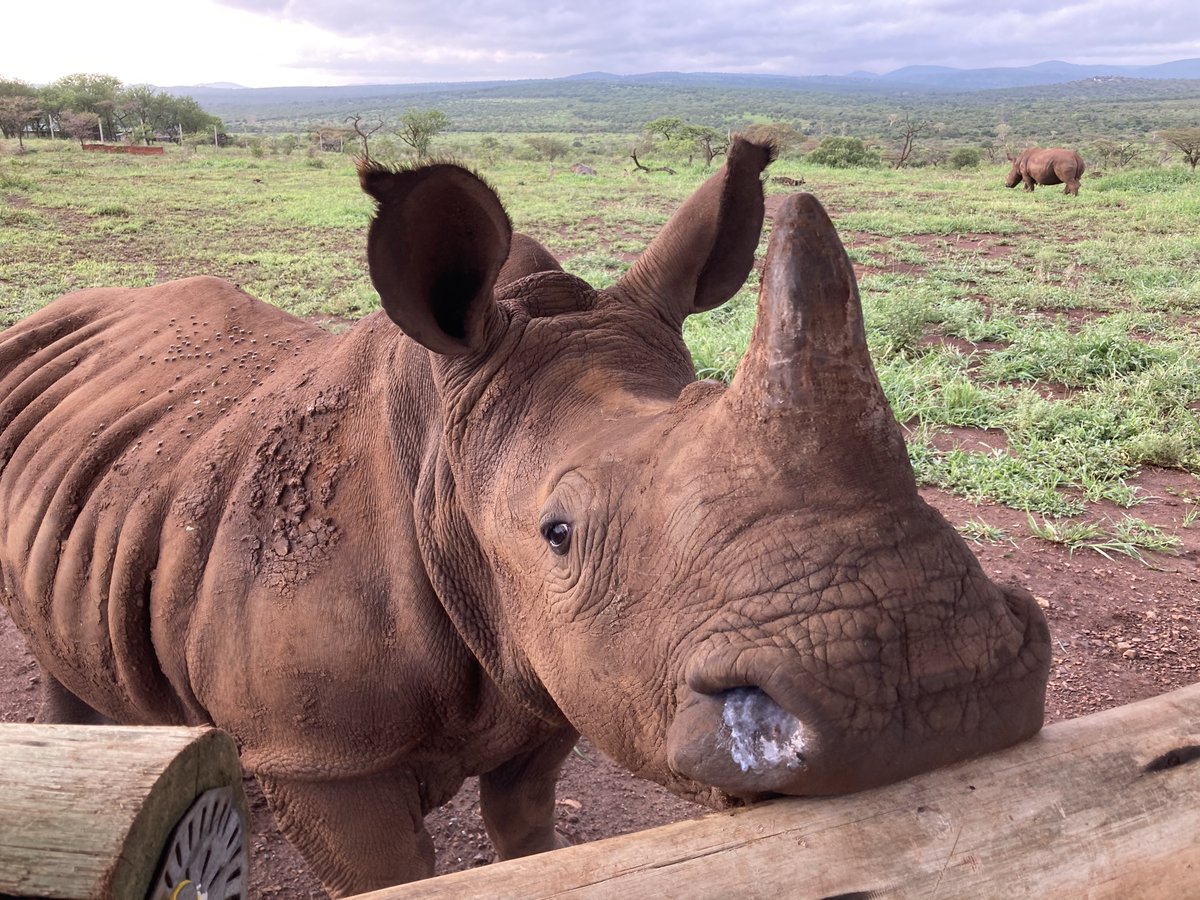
(733,591)
(1014,174)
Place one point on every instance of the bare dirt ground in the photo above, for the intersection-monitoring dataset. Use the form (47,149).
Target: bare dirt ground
(1122,631)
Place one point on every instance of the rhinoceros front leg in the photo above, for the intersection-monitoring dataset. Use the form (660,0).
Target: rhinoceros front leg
(61,707)
(517,799)
(356,835)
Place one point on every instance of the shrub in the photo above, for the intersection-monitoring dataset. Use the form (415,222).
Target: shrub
(285,144)
(845,153)
(964,158)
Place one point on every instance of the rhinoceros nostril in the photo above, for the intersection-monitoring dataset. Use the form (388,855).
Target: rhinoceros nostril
(762,735)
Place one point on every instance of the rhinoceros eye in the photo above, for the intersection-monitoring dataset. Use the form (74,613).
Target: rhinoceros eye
(558,536)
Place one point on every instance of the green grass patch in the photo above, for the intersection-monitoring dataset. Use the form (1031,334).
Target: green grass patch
(980,532)
(111,209)
(1064,326)
(1129,537)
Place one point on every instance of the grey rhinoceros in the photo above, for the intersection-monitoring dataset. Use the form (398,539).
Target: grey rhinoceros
(1046,165)
(389,560)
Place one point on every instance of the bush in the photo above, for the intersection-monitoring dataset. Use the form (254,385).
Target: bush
(285,144)
(845,153)
(964,158)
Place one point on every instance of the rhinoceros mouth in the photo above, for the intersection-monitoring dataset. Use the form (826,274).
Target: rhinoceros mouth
(739,741)
(762,735)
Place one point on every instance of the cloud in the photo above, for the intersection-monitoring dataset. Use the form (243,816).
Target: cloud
(421,41)
(264,42)
(199,41)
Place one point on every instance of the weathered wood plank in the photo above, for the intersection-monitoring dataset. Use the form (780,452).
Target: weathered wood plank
(1103,806)
(85,810)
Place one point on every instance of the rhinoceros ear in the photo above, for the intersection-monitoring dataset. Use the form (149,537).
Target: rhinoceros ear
(436,245)
(703,254)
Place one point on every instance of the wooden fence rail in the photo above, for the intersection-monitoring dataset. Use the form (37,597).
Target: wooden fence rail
(1103,806)
(90,811)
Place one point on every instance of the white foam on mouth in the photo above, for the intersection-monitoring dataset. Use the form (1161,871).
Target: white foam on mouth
(761,734)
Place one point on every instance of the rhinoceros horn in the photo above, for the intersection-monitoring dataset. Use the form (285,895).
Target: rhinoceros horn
(807,374)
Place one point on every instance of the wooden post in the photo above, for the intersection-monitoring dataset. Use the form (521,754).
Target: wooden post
(88,811)
(1103,806)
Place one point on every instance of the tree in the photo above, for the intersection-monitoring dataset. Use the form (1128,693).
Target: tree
(142,112)
(844,153)
(355,121)
(708,141)
(189,116)
(419,126)
(329,138)
(1004,138)
(668,135)
(680,138)
(548,148)
(909,129)
(1117,153)
(84,92)
(18,104)
(1186,141)
(81,126)
(666,127)
(146,114)
(15,114)
(14,87)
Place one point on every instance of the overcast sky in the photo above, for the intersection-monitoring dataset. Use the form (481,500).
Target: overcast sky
(264,43)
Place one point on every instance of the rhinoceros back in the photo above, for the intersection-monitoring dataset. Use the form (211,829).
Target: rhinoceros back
(103,396)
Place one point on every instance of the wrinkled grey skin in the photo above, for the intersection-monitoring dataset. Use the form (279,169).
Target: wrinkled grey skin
(392,559)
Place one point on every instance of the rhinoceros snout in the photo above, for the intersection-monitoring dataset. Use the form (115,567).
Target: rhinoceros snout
(740,741)
(753,722)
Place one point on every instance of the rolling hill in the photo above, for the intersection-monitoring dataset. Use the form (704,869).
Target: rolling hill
(1051,101)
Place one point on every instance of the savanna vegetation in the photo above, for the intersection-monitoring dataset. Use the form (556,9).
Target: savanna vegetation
(1076,110)
(90,107)
(1114,121)
(1080,113)
(1063,329)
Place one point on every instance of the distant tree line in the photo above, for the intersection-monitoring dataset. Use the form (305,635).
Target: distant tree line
(93,107)
(1072,114)
(1114,125)
(908,140)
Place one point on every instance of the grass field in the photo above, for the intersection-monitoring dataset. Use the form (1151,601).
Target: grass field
(1061,332)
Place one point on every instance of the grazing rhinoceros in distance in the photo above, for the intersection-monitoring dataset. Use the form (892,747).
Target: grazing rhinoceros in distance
(392,559)
(1046,165)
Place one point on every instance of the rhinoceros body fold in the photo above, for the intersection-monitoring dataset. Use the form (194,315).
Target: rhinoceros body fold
(389,560)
